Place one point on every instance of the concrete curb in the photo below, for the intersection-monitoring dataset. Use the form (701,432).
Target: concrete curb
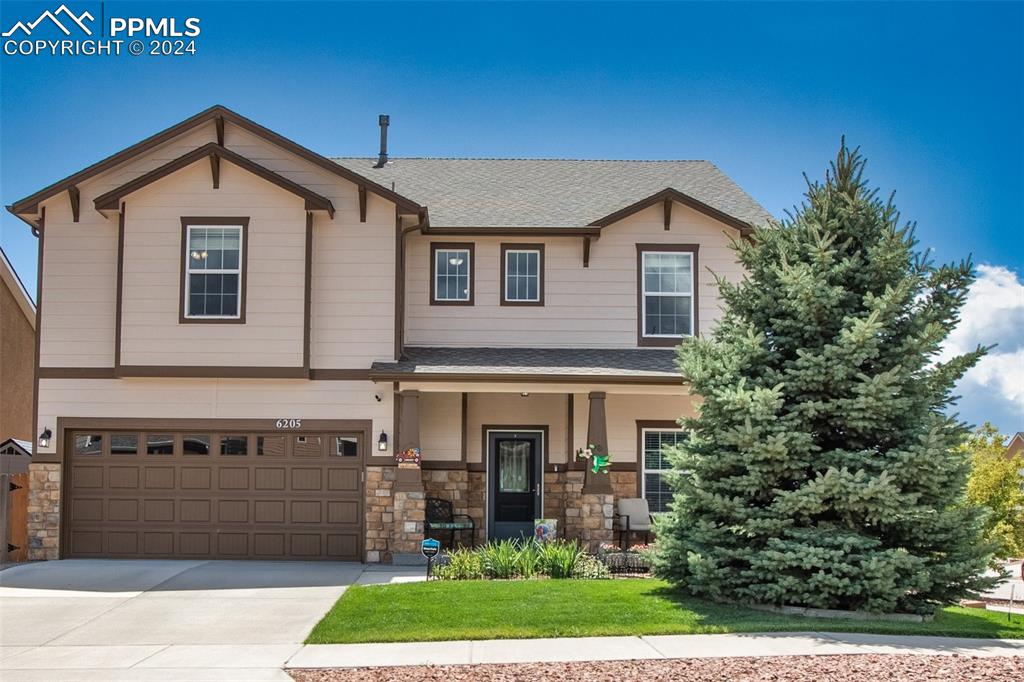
(566,650)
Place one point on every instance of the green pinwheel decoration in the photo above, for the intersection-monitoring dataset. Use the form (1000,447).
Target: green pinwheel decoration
(599,463)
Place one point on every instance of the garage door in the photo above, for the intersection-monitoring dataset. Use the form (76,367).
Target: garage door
(216,495)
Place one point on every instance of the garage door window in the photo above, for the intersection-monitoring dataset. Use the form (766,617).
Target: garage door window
(160,444)
(89,444)
(196,445)
(346,446)
(124,444)
(270,446)
(234,445)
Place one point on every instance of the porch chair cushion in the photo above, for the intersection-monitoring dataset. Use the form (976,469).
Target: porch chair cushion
(634,514)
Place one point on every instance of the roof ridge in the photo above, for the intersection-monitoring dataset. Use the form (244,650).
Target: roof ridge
(522,158)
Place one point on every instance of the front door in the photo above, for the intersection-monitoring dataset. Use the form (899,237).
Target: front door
(515,482)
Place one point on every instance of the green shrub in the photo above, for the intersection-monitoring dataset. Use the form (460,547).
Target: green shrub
(528,560)
(462,564)
(590,568)
(558,559)
(500,559)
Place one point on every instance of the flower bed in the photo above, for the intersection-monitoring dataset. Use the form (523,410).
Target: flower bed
(528,560)
(635,561)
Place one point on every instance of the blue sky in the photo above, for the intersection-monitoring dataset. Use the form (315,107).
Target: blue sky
(933,93)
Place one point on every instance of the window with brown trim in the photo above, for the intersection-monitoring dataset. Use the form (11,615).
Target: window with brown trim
(522,274)
(213,269)
(666,293)
(451,273)
(654,464)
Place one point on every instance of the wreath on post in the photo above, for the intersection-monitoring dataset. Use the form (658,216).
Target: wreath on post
(599,463)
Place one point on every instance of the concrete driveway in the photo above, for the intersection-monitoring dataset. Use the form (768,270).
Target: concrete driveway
(137,620)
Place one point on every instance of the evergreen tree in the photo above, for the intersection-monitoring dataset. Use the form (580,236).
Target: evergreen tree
(822,469)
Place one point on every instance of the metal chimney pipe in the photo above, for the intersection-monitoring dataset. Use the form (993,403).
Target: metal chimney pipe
(384,121)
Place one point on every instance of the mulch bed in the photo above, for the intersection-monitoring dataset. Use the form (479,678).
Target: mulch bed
(866,668)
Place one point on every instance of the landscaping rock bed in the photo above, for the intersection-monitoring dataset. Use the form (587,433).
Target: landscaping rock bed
(862,668)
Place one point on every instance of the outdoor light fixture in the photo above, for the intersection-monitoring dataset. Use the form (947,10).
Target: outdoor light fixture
(44,438)
(382,441)
(524,394)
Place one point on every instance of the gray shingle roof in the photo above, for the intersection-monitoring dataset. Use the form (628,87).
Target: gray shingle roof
(553,362)
(549,192)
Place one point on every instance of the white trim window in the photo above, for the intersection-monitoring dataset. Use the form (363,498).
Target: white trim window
(452,268)
(213,272)
(667,294)
(522,275)
(654,464)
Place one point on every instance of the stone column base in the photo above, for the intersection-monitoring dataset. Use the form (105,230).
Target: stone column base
(43,512)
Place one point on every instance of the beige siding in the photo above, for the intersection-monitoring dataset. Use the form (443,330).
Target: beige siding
(79,285)
(512,409)
(273,331)
(592,307)
(215,399)
(622,413)
(353,267)
(441,426)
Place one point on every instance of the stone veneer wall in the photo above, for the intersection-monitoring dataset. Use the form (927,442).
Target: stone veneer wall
(43,512)
(465,490)
(407,530)
(380,512)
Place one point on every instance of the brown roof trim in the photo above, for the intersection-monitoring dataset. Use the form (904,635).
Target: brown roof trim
(514,231)
(314,202)
(675,195)
(30,204)
(639,379)
(209,372)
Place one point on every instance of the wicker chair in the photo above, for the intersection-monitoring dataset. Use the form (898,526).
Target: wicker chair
(440,517)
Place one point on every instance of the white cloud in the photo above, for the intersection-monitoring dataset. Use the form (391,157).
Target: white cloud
(993,314)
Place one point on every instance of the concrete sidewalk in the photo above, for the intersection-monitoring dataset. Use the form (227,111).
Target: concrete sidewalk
(637,648)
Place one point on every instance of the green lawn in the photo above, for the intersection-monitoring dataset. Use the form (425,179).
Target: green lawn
(445,610)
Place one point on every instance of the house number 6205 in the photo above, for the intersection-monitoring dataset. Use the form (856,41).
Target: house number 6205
(288,423)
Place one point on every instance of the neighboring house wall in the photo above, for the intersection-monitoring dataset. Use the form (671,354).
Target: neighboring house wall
(593,307)
(17,359)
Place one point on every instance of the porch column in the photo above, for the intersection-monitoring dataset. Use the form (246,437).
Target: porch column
(597,435)
(409,478)
(409,496)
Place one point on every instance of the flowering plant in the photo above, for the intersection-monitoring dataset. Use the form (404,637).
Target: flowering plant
(599,463)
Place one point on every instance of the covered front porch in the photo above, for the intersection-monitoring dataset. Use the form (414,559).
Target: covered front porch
(502,451)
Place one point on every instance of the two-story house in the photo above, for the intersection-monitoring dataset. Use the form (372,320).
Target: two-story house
(237,336)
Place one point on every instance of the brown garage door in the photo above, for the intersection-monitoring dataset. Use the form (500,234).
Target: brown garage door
(203,494)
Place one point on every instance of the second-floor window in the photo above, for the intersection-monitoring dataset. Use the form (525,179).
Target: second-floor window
(667,293)
(213,272)
(522,278)
(451,274)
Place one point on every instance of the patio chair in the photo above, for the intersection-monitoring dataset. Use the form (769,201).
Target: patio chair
(440,517)
(634,517)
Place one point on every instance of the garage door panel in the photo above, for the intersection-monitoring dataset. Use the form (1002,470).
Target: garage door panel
(126,477)
(306,478)
(270,478)
(122,510)
(193,511)
(233,478)
(233,511)
(87,477)
(345,480)
(195,478)
(292,499)
(86,509)
(159,478)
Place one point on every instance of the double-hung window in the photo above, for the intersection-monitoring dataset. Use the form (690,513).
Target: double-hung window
(667,293)
(522,279)
(654,488)
(214,278)
(451,274)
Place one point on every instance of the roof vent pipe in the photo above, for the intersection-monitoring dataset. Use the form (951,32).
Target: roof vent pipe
(384,121)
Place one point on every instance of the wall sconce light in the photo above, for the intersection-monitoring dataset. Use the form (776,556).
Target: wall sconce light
(382,441)
(44,438)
